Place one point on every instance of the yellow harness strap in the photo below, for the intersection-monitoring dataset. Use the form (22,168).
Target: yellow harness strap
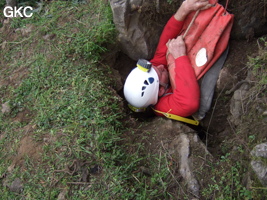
(178,118)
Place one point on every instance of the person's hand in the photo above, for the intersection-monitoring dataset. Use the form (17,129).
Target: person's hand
(189,6)
(176,47)
(194,5)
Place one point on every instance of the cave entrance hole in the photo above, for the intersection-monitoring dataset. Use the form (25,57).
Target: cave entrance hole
(124,65)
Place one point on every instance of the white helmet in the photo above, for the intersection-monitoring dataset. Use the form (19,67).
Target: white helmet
(142,86)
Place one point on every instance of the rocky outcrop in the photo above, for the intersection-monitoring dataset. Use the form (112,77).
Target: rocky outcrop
(140,22)
(184,147)
(138,36)
(137,40)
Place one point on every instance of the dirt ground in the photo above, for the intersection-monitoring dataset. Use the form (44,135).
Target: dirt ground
(214,129)
(215,123)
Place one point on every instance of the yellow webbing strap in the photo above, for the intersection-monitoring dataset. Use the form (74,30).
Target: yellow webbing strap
(178,118)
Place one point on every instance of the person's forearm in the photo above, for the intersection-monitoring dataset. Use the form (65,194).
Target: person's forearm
(181,13)
(189,6)
(171,30)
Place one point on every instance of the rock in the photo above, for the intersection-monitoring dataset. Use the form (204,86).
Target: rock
(260,168)
(137,40)
(185,170)
(259,162)
(139,34)
(184,147)
(260,150)
(225,80)
(237,101)
(16,186)
(236,104)
(6,108)
(188,149)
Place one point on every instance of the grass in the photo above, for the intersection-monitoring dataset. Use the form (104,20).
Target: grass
(72,140)
(232,177)
(71,143)
(226,182)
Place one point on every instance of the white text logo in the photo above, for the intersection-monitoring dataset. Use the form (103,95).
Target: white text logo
(17,12)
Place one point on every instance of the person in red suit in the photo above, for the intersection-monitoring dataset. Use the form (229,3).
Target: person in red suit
(168,86)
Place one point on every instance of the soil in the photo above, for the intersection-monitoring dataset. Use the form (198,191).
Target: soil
(215,126)
(216,123)
(216,120)
(214,129)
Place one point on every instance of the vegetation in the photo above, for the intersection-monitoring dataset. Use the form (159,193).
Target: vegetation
(232,170)
(68,141)
(63,130)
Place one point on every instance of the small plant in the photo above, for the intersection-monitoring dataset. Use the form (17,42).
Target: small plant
(73,137)
(226,182)
(258,64)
